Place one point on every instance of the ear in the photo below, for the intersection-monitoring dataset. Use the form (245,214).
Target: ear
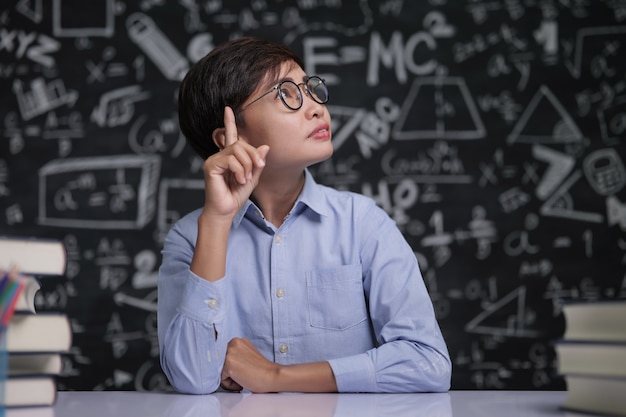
(219,137)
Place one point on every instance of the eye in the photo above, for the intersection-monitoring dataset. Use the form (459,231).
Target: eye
(317,89)
(289,91)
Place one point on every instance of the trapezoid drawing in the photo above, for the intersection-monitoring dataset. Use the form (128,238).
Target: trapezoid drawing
(438,108)
(545,120)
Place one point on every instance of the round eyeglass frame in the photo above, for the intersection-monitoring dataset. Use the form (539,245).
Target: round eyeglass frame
(307,90)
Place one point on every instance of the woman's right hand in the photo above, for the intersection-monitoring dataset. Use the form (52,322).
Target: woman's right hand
(231,174)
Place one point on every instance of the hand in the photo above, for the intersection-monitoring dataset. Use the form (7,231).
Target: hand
(231,174)
(245,367)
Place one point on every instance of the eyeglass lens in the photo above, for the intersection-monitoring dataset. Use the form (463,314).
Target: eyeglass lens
(291,94)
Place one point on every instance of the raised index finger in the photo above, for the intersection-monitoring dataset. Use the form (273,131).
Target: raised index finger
(230,126)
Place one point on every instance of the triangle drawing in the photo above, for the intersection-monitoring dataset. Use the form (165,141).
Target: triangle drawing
(545,120)
(505,317)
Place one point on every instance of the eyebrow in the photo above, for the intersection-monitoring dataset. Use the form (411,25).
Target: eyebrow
(280,80)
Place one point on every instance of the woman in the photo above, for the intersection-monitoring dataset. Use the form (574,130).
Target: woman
(279,283)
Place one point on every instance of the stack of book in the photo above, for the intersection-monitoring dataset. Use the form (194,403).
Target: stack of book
(592,356)
(32,343)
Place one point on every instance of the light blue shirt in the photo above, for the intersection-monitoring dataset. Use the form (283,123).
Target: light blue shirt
(335,282)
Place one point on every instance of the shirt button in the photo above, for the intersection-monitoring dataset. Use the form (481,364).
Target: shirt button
(278,239)
(280,293)
(283,348)
(212,303)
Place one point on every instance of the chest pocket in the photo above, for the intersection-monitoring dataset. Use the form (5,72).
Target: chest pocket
(336,298)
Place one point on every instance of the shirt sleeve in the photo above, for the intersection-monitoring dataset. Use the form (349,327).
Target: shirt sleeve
(411,354)
(190,313)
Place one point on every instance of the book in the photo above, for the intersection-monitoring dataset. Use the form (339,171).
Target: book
(595,321)
(42,332)
(30,412)
(591,358)
(28,391)
(596,394)
(33,256)
(47,363)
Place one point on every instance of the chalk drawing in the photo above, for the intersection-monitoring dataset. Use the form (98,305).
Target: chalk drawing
(145,33)
(116,107)
(427,113)
(545,120)
(513,199)
(605,171)
(112,192)
(615,212)
(42,97)
(361,14)
(613,122)
(92,18)
(583,36)
(561,204)
(146,276)
(345,122)
(506,317)
(140,303)
(70,126)
(177,197)
(157,137)
(32,9)
(559,167)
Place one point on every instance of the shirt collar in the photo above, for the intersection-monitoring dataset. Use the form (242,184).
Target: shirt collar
(311,196)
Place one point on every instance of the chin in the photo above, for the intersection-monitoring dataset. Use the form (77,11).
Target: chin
(329,151)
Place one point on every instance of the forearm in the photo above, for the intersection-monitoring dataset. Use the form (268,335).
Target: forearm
(209,257)
(398,366)
(305,377)
(248,368)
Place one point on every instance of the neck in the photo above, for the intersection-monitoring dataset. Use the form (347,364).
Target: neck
(276,195)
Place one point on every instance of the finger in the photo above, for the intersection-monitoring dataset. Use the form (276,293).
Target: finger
(262,152)
(238,170)
(259,163)
(231,135)
(245,155)
(237,160)
(230,385)
(248,161)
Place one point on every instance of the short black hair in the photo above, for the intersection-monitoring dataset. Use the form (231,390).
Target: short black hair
(226,76)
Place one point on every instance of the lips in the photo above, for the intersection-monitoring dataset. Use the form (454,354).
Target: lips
(321,132)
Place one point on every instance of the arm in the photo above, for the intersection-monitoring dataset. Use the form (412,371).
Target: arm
(188,347)
(230,177)
(245,367)
(194,258)
(411,355)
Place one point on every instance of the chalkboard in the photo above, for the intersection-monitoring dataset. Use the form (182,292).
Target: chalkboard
(492,131)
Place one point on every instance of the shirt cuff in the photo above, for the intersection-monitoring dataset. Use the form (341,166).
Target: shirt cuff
(354,373)
(202,300)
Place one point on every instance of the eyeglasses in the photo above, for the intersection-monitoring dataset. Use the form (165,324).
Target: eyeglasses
(291,95)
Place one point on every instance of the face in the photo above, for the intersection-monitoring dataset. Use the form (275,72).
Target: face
(297,138)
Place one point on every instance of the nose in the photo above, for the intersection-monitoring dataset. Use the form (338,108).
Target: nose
(312,108)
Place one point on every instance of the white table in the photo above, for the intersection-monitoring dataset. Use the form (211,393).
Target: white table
(453,403)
